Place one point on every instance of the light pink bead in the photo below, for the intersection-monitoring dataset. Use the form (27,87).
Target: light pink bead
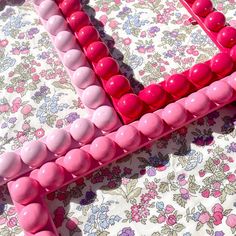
(83,77)
(151,125)
(128,137)
(174,114)
(34,153)
(65,41)
(48,8)
(74,58)
(45,233)
(232,81)
(33,217)
(37,2)
(55,24)
(220,92)
(10,164)
(58,141)
(24,190)
(103,149)
(93,96)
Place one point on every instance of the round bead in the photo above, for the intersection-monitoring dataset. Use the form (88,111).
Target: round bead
(189,1)
(34,153)
(69,6)
(220,92)
(37,2)
(58,141)
(87,35)
(55,24)
(202,7)
(215,21)
(24,190)
(93,96)
(232,81)
(50,175)
(33,217)
(77,20)
(65,41)
(74,58)
(174,114)
(48,8)
(103,149)
(107,67)
(233,53)
(105,118)
(45,233)
(222,64)
(82,130)
(200,75)
(227,37)
(151,125)
(10,164)
(83,77)
(97,50)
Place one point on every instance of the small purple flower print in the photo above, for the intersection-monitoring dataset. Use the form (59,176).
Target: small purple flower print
(127,231)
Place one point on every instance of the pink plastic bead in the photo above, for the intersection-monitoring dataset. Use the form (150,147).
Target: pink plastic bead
(189,1)
(48,8)
(87,35)
(215,21)
(55,24)
(58,141)
(93,96)
(202,7)
(233,53)
(74,58)
(77,20)
(50,175)
(69,6)
(10,164)
(103,149)
(37,2)
(232,81)
(65,41)
(151,125)
(24,190)
(82,130)
(45,233)
(97,50)
(227,37)
(33,217)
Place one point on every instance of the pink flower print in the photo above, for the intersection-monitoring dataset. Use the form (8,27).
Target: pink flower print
(103,19)
(201,173)
(11,211)
(184,193)
(218,216)
(125,181)
(152,193)
(151,185)
(35,77)
(12,222)
(161,219)
(225,168)
(231,220)
(127,41)
(216,193)
(145,198)
(19,134)
(231,178)
(204,217)
(216,185)
(25,126)
(4,108)
(39,133)
(3,43)
(26,109)
(20,89)
(72,223)
(169,209)
(113,24)
(2,220)
(10,89)
(171,220)
(217,207)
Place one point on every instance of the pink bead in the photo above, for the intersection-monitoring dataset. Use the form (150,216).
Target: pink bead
(83,77)
(37,2)
(24,190)
(107,67)
(69,6)
(215,21)
(55,24)
(197,103)
(227,37)
(232,81)
(50,175)
(103,149)
(220,92)
(58,141)
(77,20)
(77,161)
(189,1)
(233,53)
(151,125)
(174,115)
(87,35)
(128,137)
(202,7)
(82,130)
(93,96)
(48,8)
(200,75)
(45,233)
(74,58)
(65,41)
(97,50)
(10,164)
(33,217)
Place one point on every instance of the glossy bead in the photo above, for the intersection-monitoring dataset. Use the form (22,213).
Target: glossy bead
(97,50)
(69,6)
(83,77)
(77,20)
(24,190)
(10,164)
(117,85)
(189,1)
(37,2)
(82,130)
(232,81)
(233,53)
(65,41)
(130,105)
(215,21)
(34,153)
(45,233)
(48,8)
(200,75)
(74,58)
(202,7)
(55,24)
(222,64)
(227,37)
(87,35)
(151,125)
(107,67)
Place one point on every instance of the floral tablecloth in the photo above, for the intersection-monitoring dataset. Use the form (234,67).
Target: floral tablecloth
(184,184)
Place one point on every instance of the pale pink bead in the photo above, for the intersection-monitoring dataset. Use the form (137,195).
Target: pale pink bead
(45,233)
(232,81)
(48,8)
(74,58)
(37,2)
(55,24)
(65,41)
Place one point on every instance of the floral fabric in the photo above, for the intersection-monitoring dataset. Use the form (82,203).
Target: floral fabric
(183,184)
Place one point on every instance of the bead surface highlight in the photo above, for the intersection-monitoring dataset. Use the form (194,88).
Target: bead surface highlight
(96,51)
(78,20)
(55,24)
(69,6)
(87,35)
(202,7)
(65,41)
(227,37)
(215,21)
(74,58)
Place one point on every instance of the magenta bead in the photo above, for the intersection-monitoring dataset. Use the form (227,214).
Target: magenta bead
(55,24)
(69,6)
(202,7)
(96,51)
(47,9)
(227,37)
(77,20)
(233,53)
(87,35)
(45,233)
(74,58)
(65,41)
(215,21)
(189,1)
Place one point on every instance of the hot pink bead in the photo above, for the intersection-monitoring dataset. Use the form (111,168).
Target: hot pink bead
(93,96)
(232,81)
(233,53)
(117,85)
(74,58)
(24,190)
(97,50)
(58,141)
(55,24)
(227,37)
(107,67)
(202,7)
(50,175)
(77,20)
(103,149)
(215,21)
(87,35)
(151,125)
(48,8)
(65,41)
(33,217)
(45,233)
(69,6)
(174,115)
(82,130)
(10,164)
